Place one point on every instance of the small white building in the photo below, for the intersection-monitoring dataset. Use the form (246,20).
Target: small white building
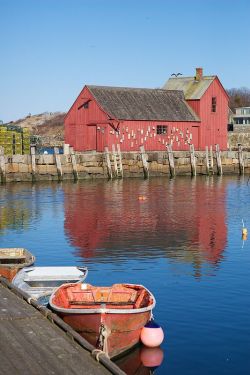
(242,116)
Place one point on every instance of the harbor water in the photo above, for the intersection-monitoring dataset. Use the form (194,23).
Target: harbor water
(180,238)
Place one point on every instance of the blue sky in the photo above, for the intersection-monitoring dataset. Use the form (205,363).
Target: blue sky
(51,48)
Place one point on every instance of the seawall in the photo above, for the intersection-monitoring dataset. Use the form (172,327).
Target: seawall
(239,135)
(95,165)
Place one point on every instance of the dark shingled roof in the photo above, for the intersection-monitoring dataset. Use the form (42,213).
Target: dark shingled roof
(126,103)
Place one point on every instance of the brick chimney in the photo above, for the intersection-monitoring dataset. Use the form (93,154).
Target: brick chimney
(199,74)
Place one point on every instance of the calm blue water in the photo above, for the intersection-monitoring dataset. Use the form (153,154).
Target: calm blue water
(183,242)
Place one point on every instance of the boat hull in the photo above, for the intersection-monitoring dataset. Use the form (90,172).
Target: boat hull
(122,331)
(110,318)
(9,272)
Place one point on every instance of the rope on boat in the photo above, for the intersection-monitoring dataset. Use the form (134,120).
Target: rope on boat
(96,354)
(30,300)
(102,341)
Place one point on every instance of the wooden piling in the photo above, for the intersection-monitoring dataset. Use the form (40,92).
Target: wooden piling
(74,163)
(66,149)
(107,157)
(144,162)
(171,160)
(209,160)
(218,159)
(114,157)
(241,159)
(2,166)
(58,164)
(33,162)
(192,160)
(119,164)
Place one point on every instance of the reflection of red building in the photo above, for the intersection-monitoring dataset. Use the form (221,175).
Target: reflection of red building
(183,220)
(212,234)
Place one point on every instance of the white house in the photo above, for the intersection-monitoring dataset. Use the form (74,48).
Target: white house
(242,116)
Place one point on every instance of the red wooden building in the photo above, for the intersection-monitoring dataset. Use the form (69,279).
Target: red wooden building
(188,110)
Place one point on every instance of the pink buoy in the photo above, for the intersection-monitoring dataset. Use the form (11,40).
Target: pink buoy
(152,334)
(151,357)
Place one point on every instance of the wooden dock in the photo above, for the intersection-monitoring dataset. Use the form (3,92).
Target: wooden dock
(33,340)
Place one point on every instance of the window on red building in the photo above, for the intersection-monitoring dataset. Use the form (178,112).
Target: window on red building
(162,129)
(214,104)
(85,105)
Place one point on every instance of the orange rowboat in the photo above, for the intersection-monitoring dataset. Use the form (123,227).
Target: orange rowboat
(110,318)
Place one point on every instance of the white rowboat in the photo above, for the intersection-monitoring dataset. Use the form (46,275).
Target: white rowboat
(40,282)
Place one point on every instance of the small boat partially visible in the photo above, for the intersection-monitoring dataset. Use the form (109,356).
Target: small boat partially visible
(13,260)
(110,318)
(39,282)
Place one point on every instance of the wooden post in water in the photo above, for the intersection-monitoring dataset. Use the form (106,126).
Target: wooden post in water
(144,162)
(33,162)
(241,159)
(119,166)
(207,161)
(2,166)
(171,160)
(211,159)
(66,149)
(58,164)
(114,160)
(108,162)
(218,159)
(192,160)
(74,163)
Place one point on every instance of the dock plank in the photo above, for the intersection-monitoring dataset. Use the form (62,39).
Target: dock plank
(31,344)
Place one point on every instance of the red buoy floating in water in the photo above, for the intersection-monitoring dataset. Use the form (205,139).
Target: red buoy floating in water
(151,357)
(152,334)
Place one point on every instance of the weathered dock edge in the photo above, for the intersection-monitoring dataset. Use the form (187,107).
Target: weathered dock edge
(94,165)
(53,318)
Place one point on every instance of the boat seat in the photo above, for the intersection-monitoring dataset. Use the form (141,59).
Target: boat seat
(10,257)
(140,298)
(86,303)
(94,298)
(79,296)
(121,297)
(110,297)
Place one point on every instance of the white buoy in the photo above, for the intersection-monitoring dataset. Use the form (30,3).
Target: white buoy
(152,334)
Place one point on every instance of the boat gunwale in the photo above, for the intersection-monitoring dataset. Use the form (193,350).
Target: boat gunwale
(83,273)
(102,310)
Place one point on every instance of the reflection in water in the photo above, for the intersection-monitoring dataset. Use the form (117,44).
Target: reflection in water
(14,217)
(184,228)
(20,206)
(183,220)
(141,361)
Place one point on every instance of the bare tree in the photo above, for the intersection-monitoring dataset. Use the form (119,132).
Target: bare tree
(239,97)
